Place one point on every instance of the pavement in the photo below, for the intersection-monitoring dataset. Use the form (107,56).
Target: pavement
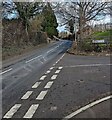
(57,88)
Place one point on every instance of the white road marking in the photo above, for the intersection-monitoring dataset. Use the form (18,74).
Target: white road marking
(42,95)
(57,71)
(89,65)
(53,77)
(60,58)
(5,71)
(86,107)
(60,68)
(50,50)
(36,85)
(43,77)
(33,58)
(51,68)
(54,64)
(48,72)
(12,111)
(27,95)
(49,84)
(31,111)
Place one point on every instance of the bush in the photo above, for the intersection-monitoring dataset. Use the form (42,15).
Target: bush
(97,48)
(110,47)
(87,47)
(41,37)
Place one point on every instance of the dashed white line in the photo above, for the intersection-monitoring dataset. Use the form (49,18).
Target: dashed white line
(33,59)
(86,107)
(36,85)
(53,77)
(50,50)
(12,111)
(51,68)
(60,68)
(27,95)
(42,95)
(48,72)
(54,64)
(31,111)
(43,77)
(6,71)
(49,84)
(57,71)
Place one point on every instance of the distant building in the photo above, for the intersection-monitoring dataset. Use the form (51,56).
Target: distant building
(64,34)
(103,27)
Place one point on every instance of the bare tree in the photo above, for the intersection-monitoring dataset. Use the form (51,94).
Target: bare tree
(82,12)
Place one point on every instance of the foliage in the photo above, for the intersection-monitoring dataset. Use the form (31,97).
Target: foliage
(27,10)
(105,33)
(81,13)
(87,46)
(36,24)
(50,23)
(71,25)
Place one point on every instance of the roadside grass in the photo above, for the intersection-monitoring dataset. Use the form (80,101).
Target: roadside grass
(103,35)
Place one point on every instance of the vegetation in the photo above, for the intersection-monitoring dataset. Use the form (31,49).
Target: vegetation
(32,23)
(82,13)
(50,23)
(104,33)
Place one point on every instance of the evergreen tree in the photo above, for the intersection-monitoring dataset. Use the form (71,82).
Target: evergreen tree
(50,22)
(71,25)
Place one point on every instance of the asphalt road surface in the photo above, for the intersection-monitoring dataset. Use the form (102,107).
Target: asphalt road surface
(53,84)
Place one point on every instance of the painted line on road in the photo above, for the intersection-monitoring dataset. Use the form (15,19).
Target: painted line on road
(33,59)
(60,68)
(87,107)
(51,68)
(60,58)
(27,95)
(12,111)
(36,84)
(54,64)
(89,65)
(6,71)
(49,84)
(42,95)
(50,50)
(31,111)
(43,77)
(57,71)
(53,77)
(48,72)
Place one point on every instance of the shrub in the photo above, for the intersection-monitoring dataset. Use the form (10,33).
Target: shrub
(97,48)
(87,46)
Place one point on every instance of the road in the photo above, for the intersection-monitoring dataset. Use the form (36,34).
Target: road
(54,84)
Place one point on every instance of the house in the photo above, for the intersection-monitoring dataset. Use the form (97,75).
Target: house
(103,27)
